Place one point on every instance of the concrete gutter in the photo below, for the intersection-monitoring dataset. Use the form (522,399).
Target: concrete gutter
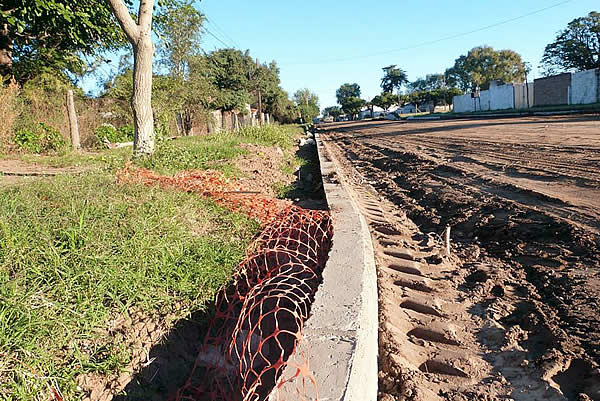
(341,336)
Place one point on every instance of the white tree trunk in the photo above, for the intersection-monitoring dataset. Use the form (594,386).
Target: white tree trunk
(141,101)
(139,36)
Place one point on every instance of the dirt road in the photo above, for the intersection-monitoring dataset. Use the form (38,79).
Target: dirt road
(522,289)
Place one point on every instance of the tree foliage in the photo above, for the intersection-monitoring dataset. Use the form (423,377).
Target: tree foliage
(442,96)
(353,105)
(347,91)
(307,103)
(393,79)
(179,32)
(484,64)
(385,100)
(348,96)
(430,82)
(39,34)
(577,48)
(333,111)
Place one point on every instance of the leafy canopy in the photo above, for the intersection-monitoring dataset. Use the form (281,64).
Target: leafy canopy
(307,103)
(393,79)
(347,91)
(484,64)
(577,48)
(430,82)
(333,111)
(385,100)
(353,105)
(55,34)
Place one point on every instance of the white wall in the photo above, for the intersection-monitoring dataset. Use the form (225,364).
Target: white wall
(462,104)
(502,97)
(484,102)
(521,95)
(584,87)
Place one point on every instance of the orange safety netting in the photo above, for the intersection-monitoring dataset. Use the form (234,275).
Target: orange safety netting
(259,319)
(213,184)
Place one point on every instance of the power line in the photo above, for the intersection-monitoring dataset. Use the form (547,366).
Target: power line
(430,42)
(217,38)
(219,29)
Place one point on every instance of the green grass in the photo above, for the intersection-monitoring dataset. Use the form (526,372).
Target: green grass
(187,153)
(76,250)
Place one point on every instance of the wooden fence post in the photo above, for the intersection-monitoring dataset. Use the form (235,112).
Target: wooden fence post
(73,125)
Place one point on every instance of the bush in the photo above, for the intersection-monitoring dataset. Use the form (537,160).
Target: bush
(39,139)
(28,140)
(51,139)
(113,135)
(127,133)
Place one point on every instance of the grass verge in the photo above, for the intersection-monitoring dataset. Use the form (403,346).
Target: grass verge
(75,251)
(186,153)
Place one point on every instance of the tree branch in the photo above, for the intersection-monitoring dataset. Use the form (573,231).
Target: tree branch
(145,14)
(127,23)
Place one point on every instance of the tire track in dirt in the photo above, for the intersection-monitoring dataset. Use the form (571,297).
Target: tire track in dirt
(526,282)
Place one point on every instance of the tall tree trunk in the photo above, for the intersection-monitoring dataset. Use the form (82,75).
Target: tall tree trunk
(141,101)
(6,48)
(139,35)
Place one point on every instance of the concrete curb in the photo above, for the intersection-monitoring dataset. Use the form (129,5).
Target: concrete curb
(342,333)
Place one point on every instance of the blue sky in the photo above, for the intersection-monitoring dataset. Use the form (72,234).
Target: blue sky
(323,44)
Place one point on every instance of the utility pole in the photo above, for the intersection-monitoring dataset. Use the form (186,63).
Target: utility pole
(259,95)
(73,124)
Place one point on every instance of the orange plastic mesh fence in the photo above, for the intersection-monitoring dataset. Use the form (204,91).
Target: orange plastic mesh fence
(258,320)
(213,184)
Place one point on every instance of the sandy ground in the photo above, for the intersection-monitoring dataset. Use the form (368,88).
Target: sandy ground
(513,313)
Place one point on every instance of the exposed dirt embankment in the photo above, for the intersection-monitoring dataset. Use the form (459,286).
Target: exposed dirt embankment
(521,198)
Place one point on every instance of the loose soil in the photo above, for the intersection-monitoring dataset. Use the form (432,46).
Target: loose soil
(261,168)
(513,312)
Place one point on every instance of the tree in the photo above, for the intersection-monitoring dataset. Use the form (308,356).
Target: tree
(228,70)
(333,111)
(393,78)
(139,35)
(281,107)
(484,64)
(39,34)
(577,48)
(385,100)
(353,105)
(430,82)
(179,32)
(308,104)
(347,91)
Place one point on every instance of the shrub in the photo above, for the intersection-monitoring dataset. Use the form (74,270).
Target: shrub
(39,139)
(51,138)
(113,135)
(126,133)
(28,140)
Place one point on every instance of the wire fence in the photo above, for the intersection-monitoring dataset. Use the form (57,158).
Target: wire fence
(258,320)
